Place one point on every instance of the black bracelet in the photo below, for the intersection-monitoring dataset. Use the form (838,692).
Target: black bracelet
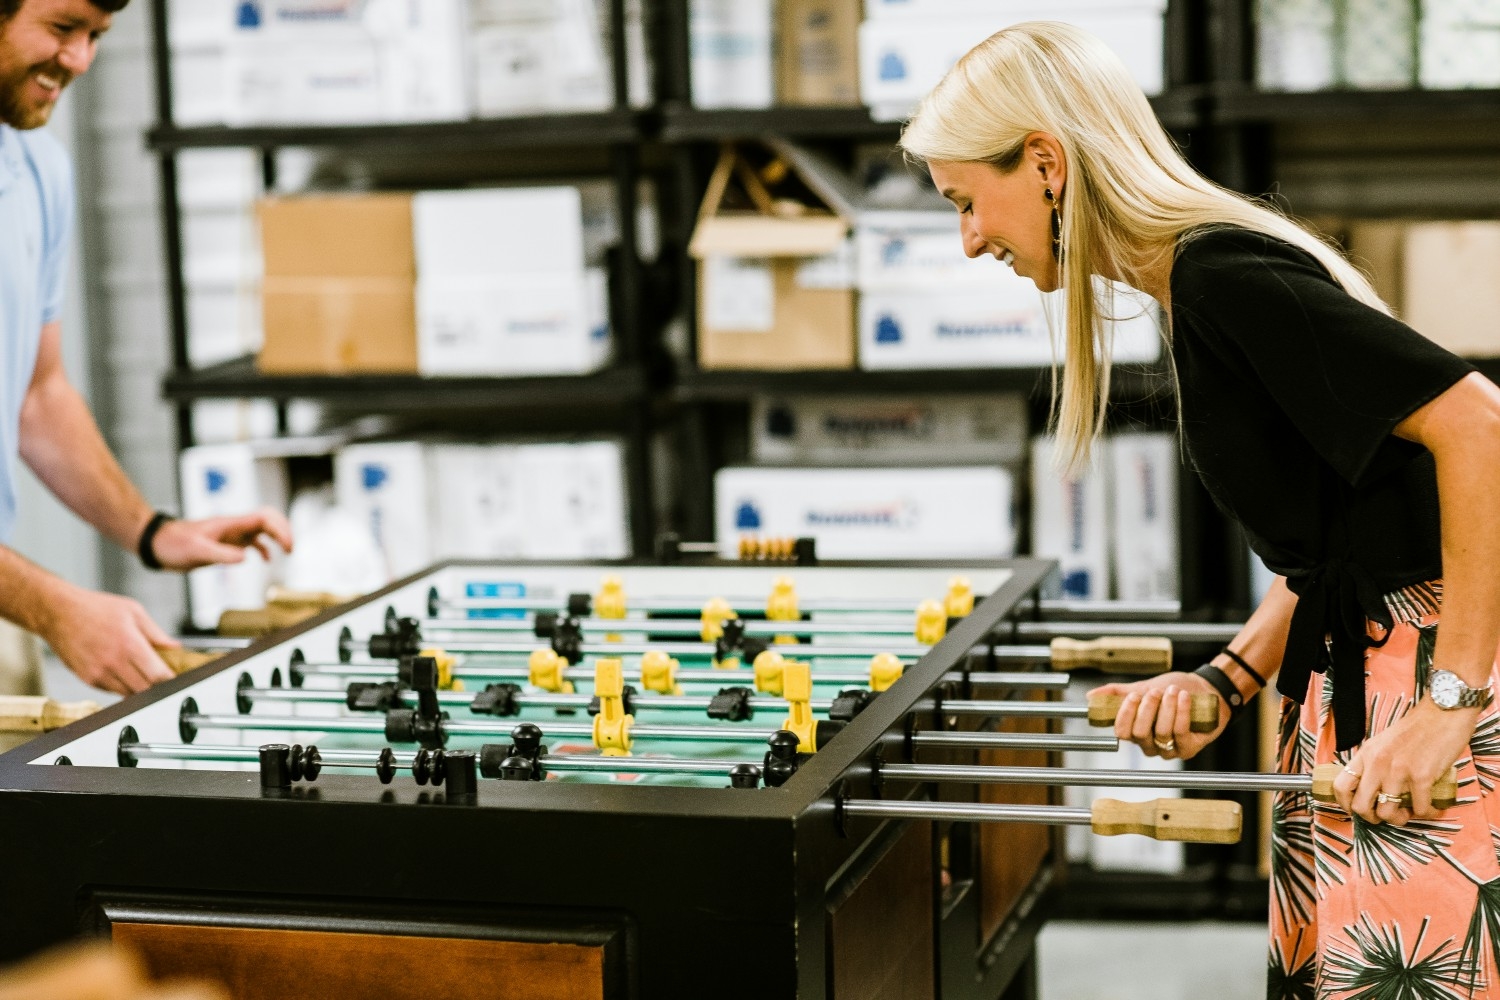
(145,548)
(1225,687)
(1247,668)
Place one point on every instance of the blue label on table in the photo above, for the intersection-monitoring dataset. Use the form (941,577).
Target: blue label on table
(495,590)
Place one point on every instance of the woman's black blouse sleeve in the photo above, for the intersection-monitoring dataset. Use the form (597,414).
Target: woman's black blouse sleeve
(1344,374)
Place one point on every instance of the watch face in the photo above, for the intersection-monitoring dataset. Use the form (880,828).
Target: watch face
(1446,688)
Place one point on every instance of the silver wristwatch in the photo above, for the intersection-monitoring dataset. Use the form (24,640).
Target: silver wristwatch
(1449,691)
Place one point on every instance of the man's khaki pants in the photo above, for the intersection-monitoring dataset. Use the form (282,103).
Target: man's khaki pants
(20,672)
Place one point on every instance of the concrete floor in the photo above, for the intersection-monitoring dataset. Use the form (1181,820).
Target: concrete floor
(1079,961)
(1140,961)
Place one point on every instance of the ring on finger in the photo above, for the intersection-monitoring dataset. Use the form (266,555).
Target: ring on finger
(1386,797)
(1167,744)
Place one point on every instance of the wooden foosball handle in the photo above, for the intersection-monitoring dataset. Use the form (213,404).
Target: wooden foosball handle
(183,660)
(252,624)
(1444,792)
(27,714)
(1115,654)
(1201,821)
(1203,715)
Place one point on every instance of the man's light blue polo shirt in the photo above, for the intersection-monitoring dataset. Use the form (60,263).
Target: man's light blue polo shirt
(36,216)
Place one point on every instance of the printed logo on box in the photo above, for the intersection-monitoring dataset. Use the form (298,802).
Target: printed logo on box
(891,67)
(887,330)
(747,516)
(373,476)
(495,590)
(215,479)
(1077,584)
(915,424)
(1017,327)
(900,516)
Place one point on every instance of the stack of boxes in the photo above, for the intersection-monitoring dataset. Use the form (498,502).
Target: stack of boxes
(756,53)
(442,283)
(1305,45)
(337,62)
(396,507)
(874,478)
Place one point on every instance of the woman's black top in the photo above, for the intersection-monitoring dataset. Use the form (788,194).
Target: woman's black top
(1290,389)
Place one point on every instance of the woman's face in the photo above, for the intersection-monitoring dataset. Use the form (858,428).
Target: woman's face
(1005,215)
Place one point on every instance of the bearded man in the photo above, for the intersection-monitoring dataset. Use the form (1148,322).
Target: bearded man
(109,641)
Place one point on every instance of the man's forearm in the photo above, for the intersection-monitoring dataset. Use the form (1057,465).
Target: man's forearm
(31,595)
(61,443)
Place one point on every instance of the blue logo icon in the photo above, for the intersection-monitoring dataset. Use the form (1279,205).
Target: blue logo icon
(373,476)
(893,253)
(747,516)
(215,479)
(887,330)
(891,67)
(1076,583)
(248,15)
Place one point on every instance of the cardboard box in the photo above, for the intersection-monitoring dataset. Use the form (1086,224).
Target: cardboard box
(533,501)
(1070,520)
(730,53)
(386,486)
(1450,293)
(1378,248)
(222,480)
(339,292)
(817,52)
(534,58)
(775,287)
(879,430)
(903,57)
(928,513)
(978,328)
(345,61)
(1143,488)
(1459,44)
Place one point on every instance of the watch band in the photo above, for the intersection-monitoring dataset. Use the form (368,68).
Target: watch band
(1222,684)
(145,548)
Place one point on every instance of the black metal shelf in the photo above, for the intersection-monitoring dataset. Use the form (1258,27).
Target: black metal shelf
(681,122)
(555,131)
(618,386)
(1130,382)
(1245,105)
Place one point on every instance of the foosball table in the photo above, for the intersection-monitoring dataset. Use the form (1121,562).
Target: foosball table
(597,780)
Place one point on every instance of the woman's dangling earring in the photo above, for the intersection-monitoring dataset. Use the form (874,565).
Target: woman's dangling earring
(1056,224)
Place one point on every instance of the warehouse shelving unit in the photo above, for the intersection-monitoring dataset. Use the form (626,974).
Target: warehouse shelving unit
(615,400)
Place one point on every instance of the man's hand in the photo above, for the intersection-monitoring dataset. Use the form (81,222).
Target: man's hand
(1156,714)
(95,972)
(185,545)
(110,642)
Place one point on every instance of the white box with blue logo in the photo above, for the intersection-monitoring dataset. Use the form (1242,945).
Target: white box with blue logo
(223,480)
(1144,480)
(1070,519)
(909,513)
(862,430)
(907,47)
(346,61)
(385,484)
(501,284)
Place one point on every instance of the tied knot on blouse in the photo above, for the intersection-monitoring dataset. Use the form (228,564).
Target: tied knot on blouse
(1334,602)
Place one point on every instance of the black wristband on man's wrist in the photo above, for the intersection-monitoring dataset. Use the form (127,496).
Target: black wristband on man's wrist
(145,548)
(1222,684)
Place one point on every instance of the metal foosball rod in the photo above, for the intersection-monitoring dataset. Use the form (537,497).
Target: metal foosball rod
(1203,821)
(1141,655)
(1319,784)
(442,630)
(540,700)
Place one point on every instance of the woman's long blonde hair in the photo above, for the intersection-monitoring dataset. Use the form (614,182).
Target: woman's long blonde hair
(1129,197)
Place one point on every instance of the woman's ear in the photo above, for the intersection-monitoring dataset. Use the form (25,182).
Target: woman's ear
(1045,157)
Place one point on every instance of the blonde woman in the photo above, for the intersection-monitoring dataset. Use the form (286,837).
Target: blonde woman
(1336,436)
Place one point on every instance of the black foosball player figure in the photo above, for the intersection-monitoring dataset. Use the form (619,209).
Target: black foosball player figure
(1335,435)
